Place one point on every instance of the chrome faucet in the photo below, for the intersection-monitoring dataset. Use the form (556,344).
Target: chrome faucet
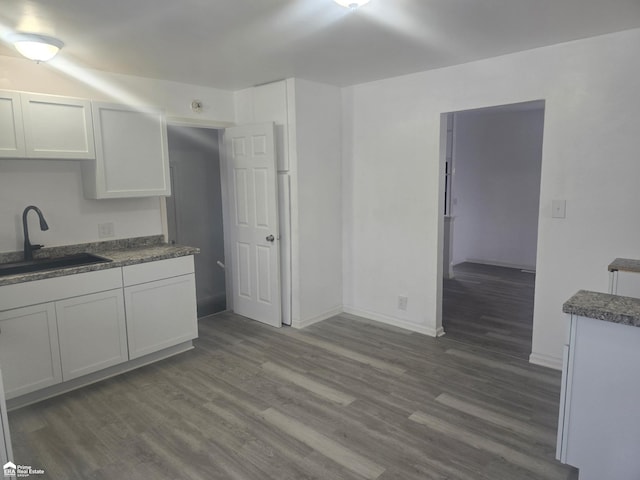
(28,248)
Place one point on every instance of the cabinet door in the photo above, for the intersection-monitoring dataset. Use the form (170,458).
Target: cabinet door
(160,314)
(29,352)
(628,284)
(131,153)
(6,452)
(92,332)
(57,127)
(11,131)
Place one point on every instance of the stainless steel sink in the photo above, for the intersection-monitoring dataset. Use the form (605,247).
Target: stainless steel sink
(40,264)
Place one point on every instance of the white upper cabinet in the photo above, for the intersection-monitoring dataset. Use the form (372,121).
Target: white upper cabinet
(45,126)
(11,131)
(132,157)
(57,127)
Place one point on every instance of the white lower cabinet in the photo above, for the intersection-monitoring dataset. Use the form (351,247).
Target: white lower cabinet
(29,352)
(6,452)
(623,283)
(599,424)
(161,312)
(92,332)
(81,324)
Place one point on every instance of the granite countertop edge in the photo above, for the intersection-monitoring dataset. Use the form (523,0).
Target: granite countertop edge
(625,265)
(122,253)
(604,306)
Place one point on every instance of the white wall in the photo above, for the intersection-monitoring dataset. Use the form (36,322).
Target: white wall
(496,187)
(55,185)
(393,182)
(317,202)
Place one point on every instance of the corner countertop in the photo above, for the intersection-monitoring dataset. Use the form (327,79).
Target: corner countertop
(604,306)
(123,252)
(625,265)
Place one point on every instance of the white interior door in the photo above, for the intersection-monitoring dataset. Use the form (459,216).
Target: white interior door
(253,208)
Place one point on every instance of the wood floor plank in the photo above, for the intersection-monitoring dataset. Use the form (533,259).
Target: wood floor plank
(544,470)
(345,352)
(324,445)
(485,414)
(307,383)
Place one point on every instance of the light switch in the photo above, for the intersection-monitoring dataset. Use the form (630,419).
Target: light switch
(558,208)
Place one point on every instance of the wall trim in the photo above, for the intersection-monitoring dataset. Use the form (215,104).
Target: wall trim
(531,268)
(337,310)
(544,360)
(396,322)
(176,121)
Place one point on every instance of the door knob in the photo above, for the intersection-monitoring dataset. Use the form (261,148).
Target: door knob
(270,238)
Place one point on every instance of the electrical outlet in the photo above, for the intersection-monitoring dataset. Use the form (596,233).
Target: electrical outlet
(402,302)
(106,230)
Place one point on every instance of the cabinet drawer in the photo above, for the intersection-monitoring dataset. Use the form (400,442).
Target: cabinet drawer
(57,288)
(148,272)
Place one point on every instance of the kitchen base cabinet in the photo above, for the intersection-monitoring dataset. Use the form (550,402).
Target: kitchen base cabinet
(62,333)
(92,332)
(6,452)
(29,352)
(160,313)
(599,423)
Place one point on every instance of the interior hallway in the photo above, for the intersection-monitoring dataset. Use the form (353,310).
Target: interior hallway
(490,307)
(345,399)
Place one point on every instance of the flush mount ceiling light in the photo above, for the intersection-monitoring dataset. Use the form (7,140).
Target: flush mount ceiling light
(352,4)
(40,48)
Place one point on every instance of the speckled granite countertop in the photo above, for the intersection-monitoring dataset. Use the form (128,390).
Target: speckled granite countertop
(603,306)
(625,265)
(128,251)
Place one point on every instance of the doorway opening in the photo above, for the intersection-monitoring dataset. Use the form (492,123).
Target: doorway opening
(194,210)
(492,169)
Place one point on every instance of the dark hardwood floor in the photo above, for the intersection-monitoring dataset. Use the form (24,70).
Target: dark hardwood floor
(345,399)
(490,307)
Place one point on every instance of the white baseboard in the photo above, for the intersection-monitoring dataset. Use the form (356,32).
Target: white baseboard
(396,322)
(318,318)
(518,266)
(546,360)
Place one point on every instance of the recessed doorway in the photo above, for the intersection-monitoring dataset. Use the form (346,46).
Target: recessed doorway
(492,195)
(194,210)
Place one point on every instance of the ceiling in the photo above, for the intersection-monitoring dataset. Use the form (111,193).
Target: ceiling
(233,44)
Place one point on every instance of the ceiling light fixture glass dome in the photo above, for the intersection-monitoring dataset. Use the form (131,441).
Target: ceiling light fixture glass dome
(40,48)
(352,4)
